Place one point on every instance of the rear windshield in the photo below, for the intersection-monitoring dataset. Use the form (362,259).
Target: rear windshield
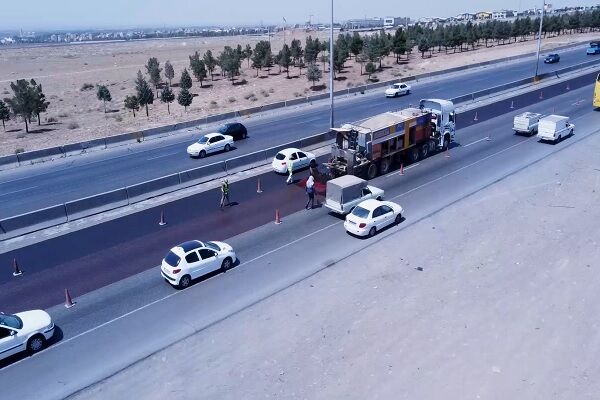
(172,259)
(203,140)
(360,212)
(213,246)
(280,156)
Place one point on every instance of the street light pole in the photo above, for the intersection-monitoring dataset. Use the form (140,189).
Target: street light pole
(331,69)
(539,44)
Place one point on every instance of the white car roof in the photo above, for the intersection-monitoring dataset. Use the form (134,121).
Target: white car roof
(289,151)
(370,204)
(209,135)
(184,248)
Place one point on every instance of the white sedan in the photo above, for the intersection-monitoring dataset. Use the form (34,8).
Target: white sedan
(397,89)
(299,159)
(193,259)
(210,143)
(371,216)
(29,330)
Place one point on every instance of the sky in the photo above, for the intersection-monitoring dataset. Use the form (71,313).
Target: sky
(76,14)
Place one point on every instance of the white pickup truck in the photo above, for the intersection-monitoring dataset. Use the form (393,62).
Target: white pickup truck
(554,128)
(526,123)
(345,192)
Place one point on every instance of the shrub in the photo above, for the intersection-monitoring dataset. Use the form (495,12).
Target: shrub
(19,150)
(20,136)
(350,84)
(231,99)
(118,118)
(6,92)
(52,119)
(87,86)
(73,125)
(213,104)
(264,93)
(248,96)
(63,115)
(296,94)
(271,90)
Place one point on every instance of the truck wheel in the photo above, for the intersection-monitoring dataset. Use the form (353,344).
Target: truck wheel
(425,150)
(446,143)
(414,155)
(384,167)
(372,171)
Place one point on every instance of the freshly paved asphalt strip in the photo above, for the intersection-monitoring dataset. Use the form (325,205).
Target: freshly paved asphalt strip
(71,178)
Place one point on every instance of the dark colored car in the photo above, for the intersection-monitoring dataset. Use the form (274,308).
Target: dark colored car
(552,58)
(235,129)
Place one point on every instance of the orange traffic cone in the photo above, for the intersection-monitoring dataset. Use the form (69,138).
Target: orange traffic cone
(68,301)
(162,221)
(258,187)
(277,217)
(17,269)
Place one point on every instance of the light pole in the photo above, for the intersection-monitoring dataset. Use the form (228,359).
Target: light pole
(331,69)
(539,44)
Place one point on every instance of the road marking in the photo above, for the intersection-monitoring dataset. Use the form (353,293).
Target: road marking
(477,141)
(397,172)
(162,156)
(17,191)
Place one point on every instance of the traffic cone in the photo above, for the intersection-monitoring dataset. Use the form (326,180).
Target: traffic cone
(568,87)
(512,104)
(277,217)
(17,269)
(162,221)
(475,119)
(401,169)
(541,95)
(68,301)
(258,188)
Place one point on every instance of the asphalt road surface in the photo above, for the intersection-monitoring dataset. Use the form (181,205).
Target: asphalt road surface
(33,187)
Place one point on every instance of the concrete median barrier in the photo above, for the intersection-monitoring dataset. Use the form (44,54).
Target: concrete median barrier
(32,157)
(247,161)
(220,117)
(202,174)
(271,152)
(318,97)
(273,106)
(8,162)
(124,139)
(96,204)
(153,188)
(249,111)
(162,131)
(33,221)
(83,147)
(312,140)
(295,102)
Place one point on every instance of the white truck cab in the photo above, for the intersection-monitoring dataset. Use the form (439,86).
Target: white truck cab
(554,128)
(346,192)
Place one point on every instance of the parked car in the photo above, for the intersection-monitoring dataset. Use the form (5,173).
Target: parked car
(235,130)
(554,127)
(552,58)
(371,216)
(193,259)
(397,89)
(24,331)
(300,159)
(210,143)
(345,192)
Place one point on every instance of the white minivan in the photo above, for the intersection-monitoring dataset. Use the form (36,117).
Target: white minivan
(554,128)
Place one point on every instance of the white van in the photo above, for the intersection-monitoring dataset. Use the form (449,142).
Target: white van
(554,128)
(526,123)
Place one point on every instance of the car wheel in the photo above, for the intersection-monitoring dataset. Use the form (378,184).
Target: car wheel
(244,135)
(372,232)
(378,198)
(398,219)
(202,154)
(36,343)
(226,264)
(227,147)
(408,92)
(559,138)
(185,281)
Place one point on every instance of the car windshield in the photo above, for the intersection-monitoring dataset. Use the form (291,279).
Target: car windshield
(280,156)
(396,86)
(213,246)
(360,212)
(223,129)
(203,140)
(12,321)
(172,259)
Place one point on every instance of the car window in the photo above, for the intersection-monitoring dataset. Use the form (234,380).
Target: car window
(224,129)
(280,156)
(360,212)
(213,246)
(203,140)
(4,333)
(11,321)
(172,259)
(366,191)
(294,156)
(386,209)
(192,257)
(207,253)
(377,212)
(301,154)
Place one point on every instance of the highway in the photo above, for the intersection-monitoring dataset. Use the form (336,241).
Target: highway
(33,187)
(112,327)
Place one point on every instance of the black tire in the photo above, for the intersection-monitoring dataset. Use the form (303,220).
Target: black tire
(378,198)
(227,147)
(446,144)
(384,166)
(36,343)
(425,150)
(413,154)
(372,232)
(559,138)
(398,219)
(202,154)
(185,282)
(408,92)
(312,163)
(226,264)
(372,171)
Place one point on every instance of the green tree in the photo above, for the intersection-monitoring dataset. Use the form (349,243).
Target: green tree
(102,93)
(145,95)
(4,114)
(313,74)
(285,59)
(297,53)
(167,96)
(132,103)
(153,69)
(370,69)
(230,61)
(398,44)
(198,68)
(40,104)
(210,62)
(248,53)
(185,98)
(423,46)
(169,71)
(185,82)
(261,55)
(22,102)
(312,48)
(356,45)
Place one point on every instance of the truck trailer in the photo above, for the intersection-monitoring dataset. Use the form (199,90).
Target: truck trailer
(370,147)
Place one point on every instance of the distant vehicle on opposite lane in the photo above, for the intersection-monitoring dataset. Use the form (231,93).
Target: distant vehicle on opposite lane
(594,48)
(397,89)
(552,58)
(371,216)
(234,129)
(210,143)
(299,158)
(193,259)
(28,330)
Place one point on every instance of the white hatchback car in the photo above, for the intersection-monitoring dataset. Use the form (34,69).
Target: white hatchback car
(371,216)
(193,259)
(397,89)
(28,330)
(210,143)
(300,159)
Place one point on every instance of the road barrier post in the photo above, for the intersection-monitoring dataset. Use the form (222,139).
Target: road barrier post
(512,104)
(17,271)
(162,221)
(258,187)
(568,87)
(68,301)
(541,95)
(401,169)
(475,119)
(277,217)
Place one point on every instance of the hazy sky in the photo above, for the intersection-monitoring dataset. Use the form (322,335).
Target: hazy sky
(58,14)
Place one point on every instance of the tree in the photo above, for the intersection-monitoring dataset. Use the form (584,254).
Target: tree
(297,53)
(198,68)
(185,98)
(102,93)
(145,95)
(399,44)
(370,69)
(285,59)
(185,82)
(4,114)
(311,50)
(313,73)
(167,96)
(153,69)
(40,104)
(210,62)
(132,103)
(261,55)
(230,61)
(423,46)
(248,53)
(356,45)
(22,102)
(169,71)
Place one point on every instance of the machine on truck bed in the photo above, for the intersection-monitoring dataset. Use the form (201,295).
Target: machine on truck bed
(369,148)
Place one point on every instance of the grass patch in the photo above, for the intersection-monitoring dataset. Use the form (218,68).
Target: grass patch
(63,115)
(264,93)
(271,90)
(86,87)
(52,119)
(73,125)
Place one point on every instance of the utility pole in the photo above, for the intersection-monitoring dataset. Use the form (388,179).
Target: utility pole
(539,44)
(331,68)
(284,29)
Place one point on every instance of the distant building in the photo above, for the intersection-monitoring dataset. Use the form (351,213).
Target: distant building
(465,17)
(499,15)
(483,15)
(368,23)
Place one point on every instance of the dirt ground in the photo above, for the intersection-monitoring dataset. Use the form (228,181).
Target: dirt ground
(75,115)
